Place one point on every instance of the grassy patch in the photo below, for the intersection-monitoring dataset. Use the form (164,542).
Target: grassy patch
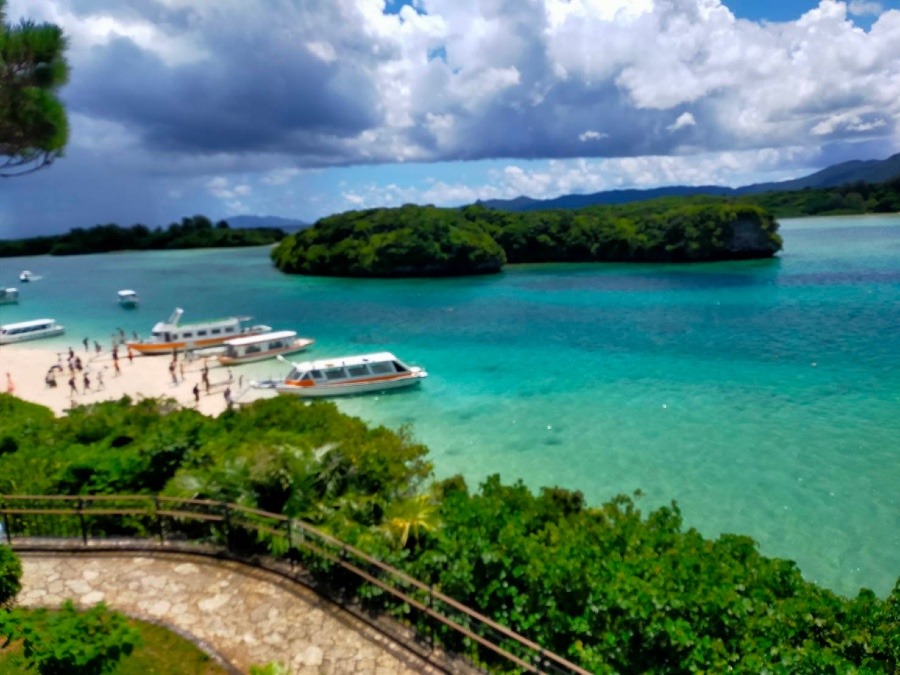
(161,652)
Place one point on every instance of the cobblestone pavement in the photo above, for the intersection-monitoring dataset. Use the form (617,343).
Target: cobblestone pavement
(249,616)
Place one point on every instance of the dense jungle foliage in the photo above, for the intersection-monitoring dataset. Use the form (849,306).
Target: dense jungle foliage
(607,586)
(849,199)
(430,241)
(194,232)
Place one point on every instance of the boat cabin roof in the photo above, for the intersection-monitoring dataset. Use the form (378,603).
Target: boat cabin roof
(322,364)
(261,337)
(28,324)
(127,293)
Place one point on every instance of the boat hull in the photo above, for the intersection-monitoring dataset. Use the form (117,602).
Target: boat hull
(298,346)
(161,348)
(348,388)
(11,339)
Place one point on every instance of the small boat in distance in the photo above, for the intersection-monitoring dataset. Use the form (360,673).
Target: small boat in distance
(29,330)
(348,375)
(128,298)
(25,276)
(9,296)
(262,346)
(169,336)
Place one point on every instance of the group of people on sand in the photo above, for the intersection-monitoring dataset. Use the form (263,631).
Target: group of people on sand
(176,369)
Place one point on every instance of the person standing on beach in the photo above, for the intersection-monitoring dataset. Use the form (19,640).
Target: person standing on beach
(196,392)
(172,372)
(86,383)
(72,386)
(181,370)
(100,384)
(227,395)
(10,387)
(130,356)
(85,343)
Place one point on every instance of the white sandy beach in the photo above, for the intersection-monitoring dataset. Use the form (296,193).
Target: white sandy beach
(144,377)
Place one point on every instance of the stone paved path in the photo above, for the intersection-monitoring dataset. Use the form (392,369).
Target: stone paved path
(249,616)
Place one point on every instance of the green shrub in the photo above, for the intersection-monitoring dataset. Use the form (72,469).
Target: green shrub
(10,574)
(71,642)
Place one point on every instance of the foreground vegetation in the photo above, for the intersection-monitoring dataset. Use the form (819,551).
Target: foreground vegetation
(96,641)
(607,586)
(430,241)
(195,232)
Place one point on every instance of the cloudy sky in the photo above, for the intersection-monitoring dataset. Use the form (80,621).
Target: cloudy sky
(302,108)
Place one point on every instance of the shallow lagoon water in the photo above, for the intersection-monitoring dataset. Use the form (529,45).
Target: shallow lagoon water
(762,396)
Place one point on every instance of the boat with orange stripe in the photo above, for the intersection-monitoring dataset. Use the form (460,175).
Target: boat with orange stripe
(171,336)
(349,375)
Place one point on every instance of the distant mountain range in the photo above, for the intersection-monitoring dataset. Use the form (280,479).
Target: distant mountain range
(867,171)
(286,224)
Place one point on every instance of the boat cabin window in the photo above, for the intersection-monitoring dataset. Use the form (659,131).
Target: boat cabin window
(215,331)
(231,351)
(188,334)
(253,349)
(381,368)
(229,329)
(335,374)
(200,333)
(358,371)
(399,367)
(315,374)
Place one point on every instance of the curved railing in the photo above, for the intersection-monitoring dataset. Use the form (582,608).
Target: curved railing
(310,556)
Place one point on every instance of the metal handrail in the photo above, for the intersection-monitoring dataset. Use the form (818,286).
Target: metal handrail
(297,533)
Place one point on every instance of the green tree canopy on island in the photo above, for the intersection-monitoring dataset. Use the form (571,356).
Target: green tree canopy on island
(429,241)
(33,124)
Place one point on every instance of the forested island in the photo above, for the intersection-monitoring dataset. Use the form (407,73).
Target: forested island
(194,232)
(430,241)
(605,585)
(844,200)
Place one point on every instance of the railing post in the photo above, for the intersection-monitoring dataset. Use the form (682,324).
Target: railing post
(430,618)
(159,520)
(6,523)
(226,523)
(81,519)
(290,541)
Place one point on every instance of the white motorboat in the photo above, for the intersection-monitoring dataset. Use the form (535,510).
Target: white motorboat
(29,330)
(263,346)
(25,276)
(9,296)
(169,336)
(348,375)
(128,298)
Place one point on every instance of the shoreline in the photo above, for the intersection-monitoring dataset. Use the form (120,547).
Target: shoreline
(142,377)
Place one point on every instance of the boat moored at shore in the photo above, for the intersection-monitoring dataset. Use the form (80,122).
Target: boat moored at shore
(9,296)
(262,346)
(170,336)
(358,374)
(29,330)
(25,276)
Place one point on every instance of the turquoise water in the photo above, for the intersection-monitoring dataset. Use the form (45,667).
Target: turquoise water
(762,396)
